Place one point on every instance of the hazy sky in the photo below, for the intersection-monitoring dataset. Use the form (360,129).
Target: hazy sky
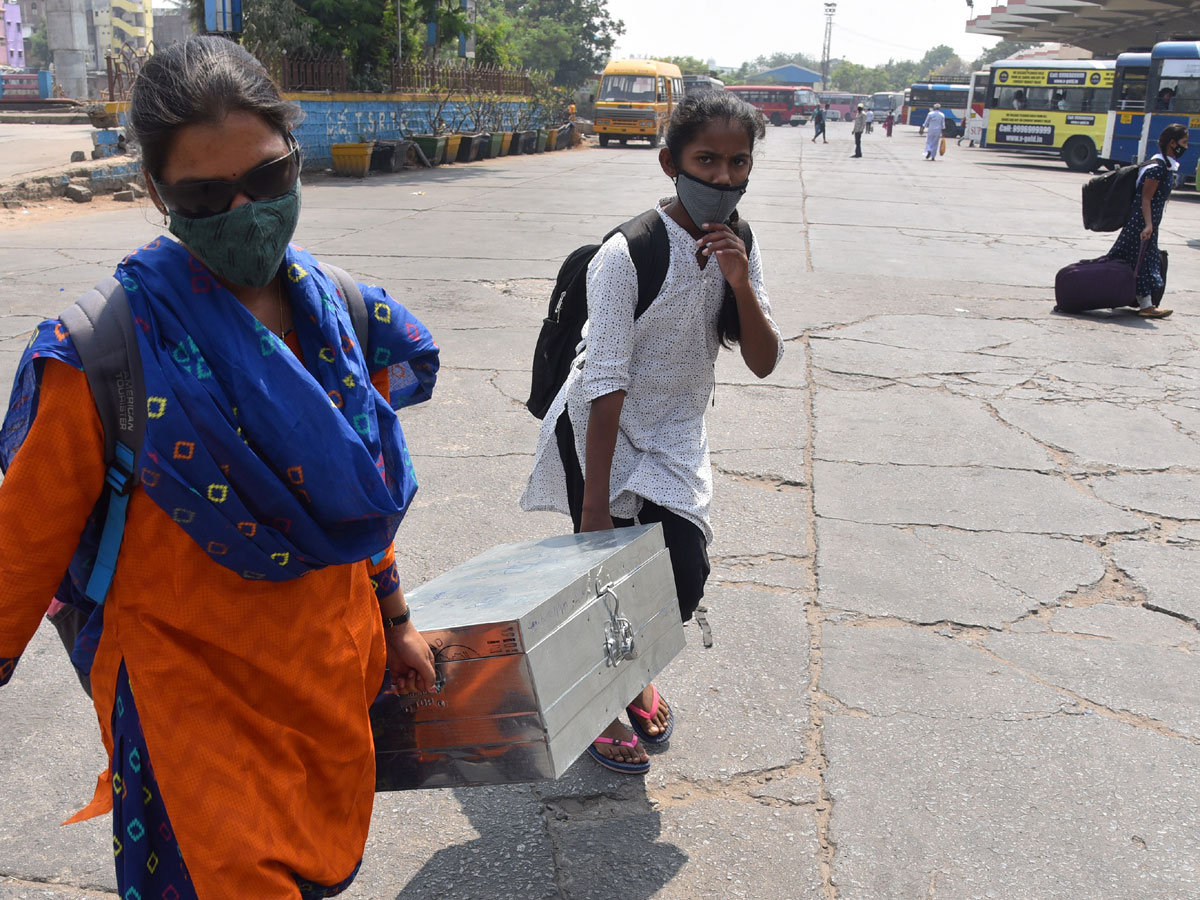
(868,32)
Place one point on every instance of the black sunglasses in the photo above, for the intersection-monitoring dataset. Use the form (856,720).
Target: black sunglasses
(200,199)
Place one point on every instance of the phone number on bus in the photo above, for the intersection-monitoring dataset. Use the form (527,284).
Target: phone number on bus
(1013,133)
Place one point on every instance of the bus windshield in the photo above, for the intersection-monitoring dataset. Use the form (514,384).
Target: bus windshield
(1130,90)
(627,89)
(948,97)
(805,97)
(886,101)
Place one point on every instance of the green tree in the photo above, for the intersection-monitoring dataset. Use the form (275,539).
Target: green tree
(688,65)
(940,56)
(352,28)
(37,49)
(1002,50)
(273,27)
(495,33)
(195,11)
(570,38)
(856,79)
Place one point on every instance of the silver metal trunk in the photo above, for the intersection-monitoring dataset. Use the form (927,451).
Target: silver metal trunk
(539,646)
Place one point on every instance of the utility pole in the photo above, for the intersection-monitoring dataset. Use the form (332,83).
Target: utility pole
(830,9)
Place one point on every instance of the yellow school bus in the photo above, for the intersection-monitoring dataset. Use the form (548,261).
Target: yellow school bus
(1057,105)
(635,99)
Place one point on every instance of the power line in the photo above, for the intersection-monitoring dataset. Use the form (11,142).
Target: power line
(867,37)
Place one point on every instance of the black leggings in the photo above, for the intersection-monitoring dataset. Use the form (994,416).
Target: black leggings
(685,540)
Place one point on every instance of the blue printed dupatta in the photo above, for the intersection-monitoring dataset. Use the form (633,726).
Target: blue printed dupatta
(272,466)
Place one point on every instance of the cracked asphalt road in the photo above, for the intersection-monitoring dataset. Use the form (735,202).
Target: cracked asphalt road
(957,545)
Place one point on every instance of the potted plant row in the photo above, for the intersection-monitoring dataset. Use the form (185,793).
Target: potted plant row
(480,125)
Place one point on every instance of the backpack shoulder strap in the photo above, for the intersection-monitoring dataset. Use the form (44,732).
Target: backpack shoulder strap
(102,330)
(354,302)
(742,227)
(650,250)
(101,327)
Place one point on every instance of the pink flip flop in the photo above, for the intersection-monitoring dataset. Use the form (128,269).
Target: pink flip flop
(639,716)
(616,765)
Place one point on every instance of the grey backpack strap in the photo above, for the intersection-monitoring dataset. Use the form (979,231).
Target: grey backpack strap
(354,302)
(102,330)
(101,327)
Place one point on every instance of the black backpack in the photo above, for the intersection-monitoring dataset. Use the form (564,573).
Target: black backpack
(1108,198)
(562,329)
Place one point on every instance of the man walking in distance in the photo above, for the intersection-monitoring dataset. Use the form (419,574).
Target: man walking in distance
(860,124)
(935,123)
(819,124)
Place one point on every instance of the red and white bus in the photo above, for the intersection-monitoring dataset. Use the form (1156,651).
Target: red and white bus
(779,104)
(844,104)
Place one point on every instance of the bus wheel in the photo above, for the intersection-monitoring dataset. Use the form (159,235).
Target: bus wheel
(794,123)
(603,140)
(776,119)
(1079,154)
(624,140)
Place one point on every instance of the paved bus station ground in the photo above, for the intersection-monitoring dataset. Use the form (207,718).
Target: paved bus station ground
(957,547)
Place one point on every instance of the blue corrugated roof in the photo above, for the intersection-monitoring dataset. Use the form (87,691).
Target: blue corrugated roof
(789,74)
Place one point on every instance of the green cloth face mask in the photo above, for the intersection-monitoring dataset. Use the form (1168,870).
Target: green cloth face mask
(246,244)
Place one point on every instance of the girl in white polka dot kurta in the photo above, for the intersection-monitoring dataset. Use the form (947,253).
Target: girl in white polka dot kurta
(625,439)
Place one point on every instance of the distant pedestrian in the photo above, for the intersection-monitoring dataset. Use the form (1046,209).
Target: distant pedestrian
(1137,243)
(935,124)
(889,122)
(860,125)
(819,116)
(870,121)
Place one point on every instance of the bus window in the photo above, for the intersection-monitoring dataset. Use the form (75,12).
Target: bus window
(1186,98)
(1130,89)
(627,89)
(1080,99)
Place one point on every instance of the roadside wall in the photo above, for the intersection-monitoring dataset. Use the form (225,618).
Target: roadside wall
(349,118)
(330,119)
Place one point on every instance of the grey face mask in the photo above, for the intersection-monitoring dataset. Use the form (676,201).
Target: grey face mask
(705,202)
(245,245)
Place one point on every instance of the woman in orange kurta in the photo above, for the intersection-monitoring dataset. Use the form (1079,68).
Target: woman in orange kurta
(246,629)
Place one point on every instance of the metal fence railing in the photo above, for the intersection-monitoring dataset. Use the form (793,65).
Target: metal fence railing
(297,72)
(461,79)
(331,73)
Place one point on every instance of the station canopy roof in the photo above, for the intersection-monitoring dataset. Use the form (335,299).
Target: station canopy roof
(1106,27)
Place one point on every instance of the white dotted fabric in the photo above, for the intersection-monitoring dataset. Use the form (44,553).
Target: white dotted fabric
(664,361)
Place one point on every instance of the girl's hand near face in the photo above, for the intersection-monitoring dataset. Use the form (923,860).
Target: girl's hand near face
(722,242)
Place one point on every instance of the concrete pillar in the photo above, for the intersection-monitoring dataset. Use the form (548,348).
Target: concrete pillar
(66,33)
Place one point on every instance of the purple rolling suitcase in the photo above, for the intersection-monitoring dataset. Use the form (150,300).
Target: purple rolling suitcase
(1102,283)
